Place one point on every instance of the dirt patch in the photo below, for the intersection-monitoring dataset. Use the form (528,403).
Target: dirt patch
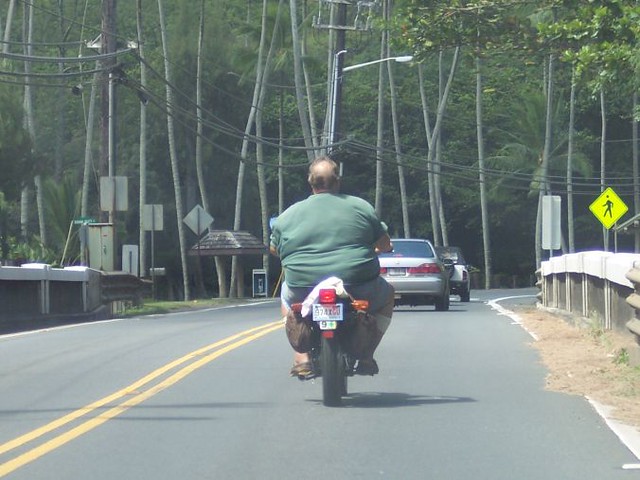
(587,361)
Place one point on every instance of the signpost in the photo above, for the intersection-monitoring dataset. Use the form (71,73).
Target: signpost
(608,208)
(198,220)
(152,220)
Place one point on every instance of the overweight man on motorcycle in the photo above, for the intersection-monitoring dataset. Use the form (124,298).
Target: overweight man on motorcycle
(330,234)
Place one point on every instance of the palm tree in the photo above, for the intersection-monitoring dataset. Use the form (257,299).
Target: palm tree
(484,210)
(174,155)
(62,200)
(527,149)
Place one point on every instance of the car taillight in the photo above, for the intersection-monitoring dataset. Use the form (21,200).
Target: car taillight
(383,270)
(327,295)
(464,275)
(424,268)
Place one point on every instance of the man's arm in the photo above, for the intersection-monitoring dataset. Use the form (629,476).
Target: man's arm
(383,244)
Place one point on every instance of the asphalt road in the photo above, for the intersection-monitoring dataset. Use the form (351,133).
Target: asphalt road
(206,395)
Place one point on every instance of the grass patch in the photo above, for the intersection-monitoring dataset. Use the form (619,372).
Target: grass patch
(152,307)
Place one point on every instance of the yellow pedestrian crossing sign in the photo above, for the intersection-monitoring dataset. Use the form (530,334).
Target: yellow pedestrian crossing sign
(608,208)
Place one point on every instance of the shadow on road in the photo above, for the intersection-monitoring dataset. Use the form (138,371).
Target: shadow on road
(391,400)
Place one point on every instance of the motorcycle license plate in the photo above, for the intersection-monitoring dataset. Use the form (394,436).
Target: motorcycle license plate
(327,313)
(327,325)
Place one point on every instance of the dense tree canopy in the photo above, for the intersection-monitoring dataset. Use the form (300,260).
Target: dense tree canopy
(514,39)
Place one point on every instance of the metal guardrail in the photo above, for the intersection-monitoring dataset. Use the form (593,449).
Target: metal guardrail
(121,286)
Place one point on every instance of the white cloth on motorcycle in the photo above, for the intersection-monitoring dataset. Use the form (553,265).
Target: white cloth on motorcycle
(331,282)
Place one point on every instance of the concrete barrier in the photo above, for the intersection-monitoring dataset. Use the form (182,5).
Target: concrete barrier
(38,290)
(602,287)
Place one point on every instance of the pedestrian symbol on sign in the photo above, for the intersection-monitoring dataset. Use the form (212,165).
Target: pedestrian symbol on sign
(608,208)
(608,204)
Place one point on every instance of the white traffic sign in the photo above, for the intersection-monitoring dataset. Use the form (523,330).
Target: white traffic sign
(152,217)
(198,220)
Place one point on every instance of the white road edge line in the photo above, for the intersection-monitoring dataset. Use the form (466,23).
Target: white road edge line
(512,315)
(629,436)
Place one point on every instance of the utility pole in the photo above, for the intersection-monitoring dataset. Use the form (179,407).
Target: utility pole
(108,46)
(340,21)
(341,46)
(107,98)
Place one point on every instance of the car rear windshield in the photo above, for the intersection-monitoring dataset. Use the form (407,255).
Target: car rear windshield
(410,249)
(452,253)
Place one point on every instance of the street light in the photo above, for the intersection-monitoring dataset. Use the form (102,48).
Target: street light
(400,59)
(336,91)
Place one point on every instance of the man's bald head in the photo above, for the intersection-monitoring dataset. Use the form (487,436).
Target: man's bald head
(324,175)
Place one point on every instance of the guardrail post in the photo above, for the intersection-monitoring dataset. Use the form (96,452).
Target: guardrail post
(633,325)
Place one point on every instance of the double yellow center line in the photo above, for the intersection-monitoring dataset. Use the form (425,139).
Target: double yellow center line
(136,393)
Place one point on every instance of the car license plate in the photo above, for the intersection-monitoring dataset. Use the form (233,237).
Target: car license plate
(327,313)
(396,272)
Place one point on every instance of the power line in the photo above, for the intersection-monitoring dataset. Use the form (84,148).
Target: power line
(57,60)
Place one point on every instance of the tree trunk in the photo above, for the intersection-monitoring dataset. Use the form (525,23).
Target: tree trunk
(544,188)
(397,142)
(484,210)
(7,28)
(173,154)
(298,76)
(380,125)
(235,267)
(88,159)
(435,224)
(432,135)
(142,194)
(260,170)
(636,171)
(29,119)
(438,162)
(572,116)
(313,126)
(603,158)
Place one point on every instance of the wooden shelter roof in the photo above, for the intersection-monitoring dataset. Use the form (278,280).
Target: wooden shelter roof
(228,242)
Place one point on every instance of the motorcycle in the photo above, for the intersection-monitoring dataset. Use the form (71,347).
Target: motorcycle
(338,329)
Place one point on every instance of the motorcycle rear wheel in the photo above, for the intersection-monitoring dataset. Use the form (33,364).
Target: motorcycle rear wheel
(332,365)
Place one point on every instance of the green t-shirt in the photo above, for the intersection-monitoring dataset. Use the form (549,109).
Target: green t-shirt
(328,235)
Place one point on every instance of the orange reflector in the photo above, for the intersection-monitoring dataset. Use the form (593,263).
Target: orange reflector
(327,333)
(360,305)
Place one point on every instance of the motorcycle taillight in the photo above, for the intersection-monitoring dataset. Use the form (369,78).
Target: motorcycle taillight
(327,295)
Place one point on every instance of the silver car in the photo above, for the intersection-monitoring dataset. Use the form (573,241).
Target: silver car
(456,265)
(417,273)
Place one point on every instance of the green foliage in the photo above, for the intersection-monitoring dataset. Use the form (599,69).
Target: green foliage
(511,36)
(598,37)
(15,147)
(62,200)
(31,251)
(483,25)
